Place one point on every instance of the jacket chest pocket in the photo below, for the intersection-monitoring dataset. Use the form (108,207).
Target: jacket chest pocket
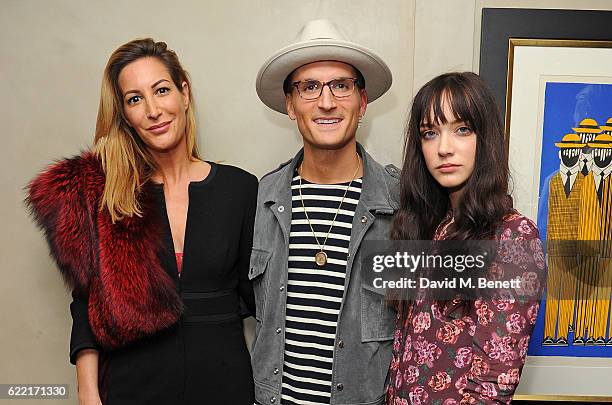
(257,274)
(377,317)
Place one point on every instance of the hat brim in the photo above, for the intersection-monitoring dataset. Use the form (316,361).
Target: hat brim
(605,128)
(272,74)
(587,130)
(601,144)
(570,145)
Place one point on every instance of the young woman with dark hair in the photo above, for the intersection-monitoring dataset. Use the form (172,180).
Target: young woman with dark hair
(454,186)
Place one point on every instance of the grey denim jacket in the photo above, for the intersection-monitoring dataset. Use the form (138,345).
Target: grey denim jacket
(365,324)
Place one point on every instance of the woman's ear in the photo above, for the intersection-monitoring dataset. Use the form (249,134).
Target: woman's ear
(185,93)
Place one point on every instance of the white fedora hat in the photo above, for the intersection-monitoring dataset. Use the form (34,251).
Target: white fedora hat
(320,40)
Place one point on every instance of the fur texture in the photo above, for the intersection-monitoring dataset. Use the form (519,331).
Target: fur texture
(115,265)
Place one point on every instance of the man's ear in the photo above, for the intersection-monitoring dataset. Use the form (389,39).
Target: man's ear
(363,102)
(289,106)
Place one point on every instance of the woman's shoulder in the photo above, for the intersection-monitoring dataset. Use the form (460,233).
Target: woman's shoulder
(235,174)
(517,226)
(72,166)
(60,200)
(77,174)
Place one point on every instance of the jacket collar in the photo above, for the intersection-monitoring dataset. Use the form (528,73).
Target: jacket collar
(376,193)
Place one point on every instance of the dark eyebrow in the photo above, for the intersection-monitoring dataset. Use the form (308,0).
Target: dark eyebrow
(159,81)
(426,124)
(152,86)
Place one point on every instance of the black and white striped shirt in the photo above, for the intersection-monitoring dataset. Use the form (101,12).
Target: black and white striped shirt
(314,293)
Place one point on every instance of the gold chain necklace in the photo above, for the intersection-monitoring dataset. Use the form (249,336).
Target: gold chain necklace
(321,256)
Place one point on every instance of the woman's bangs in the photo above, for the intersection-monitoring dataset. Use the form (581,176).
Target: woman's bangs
(455,97)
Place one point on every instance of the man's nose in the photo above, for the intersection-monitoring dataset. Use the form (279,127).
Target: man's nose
(326,101)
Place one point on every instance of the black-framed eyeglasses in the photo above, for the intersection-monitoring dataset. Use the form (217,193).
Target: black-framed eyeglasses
(312,89)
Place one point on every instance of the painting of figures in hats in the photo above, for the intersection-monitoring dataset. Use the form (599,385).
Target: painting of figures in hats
(575,220)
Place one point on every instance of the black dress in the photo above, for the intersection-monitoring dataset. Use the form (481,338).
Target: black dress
(203,359)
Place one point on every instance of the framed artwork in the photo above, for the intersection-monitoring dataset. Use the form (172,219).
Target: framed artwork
(551,71)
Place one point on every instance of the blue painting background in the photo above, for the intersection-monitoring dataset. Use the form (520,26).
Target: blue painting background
(565,105)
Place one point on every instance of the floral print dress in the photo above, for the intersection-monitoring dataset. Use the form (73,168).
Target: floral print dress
(443,356)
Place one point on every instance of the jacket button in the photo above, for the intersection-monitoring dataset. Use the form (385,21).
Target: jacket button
(340,387)
(282,288)
(276,371)
(341,344)
(272,400)
(281,208)
(364,219)
(278,330)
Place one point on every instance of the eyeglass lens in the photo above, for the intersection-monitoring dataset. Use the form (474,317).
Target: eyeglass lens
(312,89)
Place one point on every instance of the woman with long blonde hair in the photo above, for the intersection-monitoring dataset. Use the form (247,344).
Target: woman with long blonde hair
(154,243)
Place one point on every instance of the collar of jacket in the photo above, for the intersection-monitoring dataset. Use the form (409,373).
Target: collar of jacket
(377,192)
(116,266)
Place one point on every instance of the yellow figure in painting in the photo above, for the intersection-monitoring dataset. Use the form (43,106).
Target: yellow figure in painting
(606,129)
(587,130)
(589,231)
(563,205)
(602,166)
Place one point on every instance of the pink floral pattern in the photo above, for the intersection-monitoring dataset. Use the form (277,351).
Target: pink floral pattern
(485,314)
(463,357)
(426,353)
(411,374)
(421,322)
(439,381)
(407,355)
(503,304)
(418,395)
(449,332)
(487,390)
(479,366)
(525,227)
(530,284)
(500,348)
(523,344)
(506,381)
(461,383)
(532,313)
(496,272)
(515,323)
(445,357)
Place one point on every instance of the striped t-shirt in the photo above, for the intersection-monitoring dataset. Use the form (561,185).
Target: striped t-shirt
(314,293)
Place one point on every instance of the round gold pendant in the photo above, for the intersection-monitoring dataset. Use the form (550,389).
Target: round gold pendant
(321,258)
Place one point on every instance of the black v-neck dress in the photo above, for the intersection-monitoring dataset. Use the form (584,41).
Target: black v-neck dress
(203,359)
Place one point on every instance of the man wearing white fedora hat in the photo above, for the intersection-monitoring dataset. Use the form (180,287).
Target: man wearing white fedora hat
(322,336)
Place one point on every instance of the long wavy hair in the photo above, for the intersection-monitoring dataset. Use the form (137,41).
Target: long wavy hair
(485,202)
(126,161)
(423,201)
